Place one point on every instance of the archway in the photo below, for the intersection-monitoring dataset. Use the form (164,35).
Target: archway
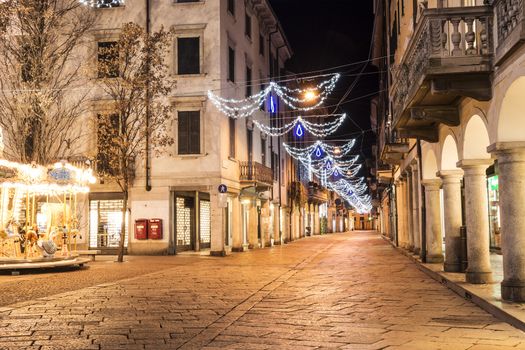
(476,139)
(510,122)
(449,154)
(430,167)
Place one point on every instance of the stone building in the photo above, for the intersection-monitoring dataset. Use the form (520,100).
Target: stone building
(451,148)
(230,47)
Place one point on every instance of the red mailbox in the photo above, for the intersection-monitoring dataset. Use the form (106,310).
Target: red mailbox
(155,229)
(141,229)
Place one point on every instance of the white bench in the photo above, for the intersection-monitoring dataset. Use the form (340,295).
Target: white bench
(91,253)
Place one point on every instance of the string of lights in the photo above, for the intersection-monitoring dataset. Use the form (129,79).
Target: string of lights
(243,108)
(300,125)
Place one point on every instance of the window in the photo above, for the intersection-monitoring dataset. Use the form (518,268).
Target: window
(231,7)
(107,151)
(261,45)
(105,223)
(263,151)
(183,1)
(188,55)
(248,81)
(232,126)
(231,64)
(262,87)
(248,26)
(189,140)
(108,65)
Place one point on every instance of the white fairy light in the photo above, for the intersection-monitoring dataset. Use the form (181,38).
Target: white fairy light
(242,108)
(316,129)
(102,3)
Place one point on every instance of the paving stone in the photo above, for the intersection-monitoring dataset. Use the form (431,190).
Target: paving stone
(346,291)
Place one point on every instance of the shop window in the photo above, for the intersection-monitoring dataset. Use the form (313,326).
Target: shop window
(108,59)
(188,55)
(494,211)
(189,139)
(205,223)
(105,217)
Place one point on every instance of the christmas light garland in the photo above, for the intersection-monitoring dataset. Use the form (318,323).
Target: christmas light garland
(102,3)
(300,124)
(243,108)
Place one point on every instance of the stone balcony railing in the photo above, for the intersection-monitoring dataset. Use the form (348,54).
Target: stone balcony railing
(450,55)
(256,174)
(510,15)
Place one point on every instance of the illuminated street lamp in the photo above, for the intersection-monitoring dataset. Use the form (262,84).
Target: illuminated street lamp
(310,95)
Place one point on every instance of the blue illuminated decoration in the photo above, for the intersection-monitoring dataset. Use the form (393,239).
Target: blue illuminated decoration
(273,104)
(318,152)
(299,130)
(336,173)
(328,165)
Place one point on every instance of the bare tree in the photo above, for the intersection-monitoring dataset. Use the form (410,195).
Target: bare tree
(134,75)
(41,80)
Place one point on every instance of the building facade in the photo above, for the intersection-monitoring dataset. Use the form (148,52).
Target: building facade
(451,148)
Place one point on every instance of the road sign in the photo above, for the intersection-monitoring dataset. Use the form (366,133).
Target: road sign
(223,188)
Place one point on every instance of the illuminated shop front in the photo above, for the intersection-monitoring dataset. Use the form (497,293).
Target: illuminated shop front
(494,212)
(105,221)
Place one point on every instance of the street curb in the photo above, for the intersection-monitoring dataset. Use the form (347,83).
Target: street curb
(487,305)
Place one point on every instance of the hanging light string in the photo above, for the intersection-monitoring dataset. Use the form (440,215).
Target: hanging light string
(102,3)
(243,108)
(316,129)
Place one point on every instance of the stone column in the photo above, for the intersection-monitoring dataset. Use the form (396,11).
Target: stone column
(276,222)
(218,227)
(253,239)
(433,221)
(416,229)
(402,213)
(408,207)
(266,224)
(477,220)
(511,163)
(237,226)
(452,217)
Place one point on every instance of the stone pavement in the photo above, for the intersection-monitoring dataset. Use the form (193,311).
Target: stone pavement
(346,291)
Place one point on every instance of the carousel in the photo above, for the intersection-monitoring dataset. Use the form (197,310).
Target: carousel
(39,214)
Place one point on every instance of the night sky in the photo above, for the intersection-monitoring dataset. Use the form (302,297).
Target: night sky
(329,33)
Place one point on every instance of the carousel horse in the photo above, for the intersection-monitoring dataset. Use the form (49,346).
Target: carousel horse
(30,239)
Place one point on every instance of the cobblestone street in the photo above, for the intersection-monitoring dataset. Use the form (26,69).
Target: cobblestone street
(347,291)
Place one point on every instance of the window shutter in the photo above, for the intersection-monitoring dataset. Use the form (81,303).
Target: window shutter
(188,55)
(183,133)
(195,133)
(231,64)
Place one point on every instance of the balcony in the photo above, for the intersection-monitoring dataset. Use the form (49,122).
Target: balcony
(510,16)
(256,175)
(449,57)
(316,193)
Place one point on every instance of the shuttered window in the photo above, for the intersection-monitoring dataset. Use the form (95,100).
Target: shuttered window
(189,140)
(188,55)
(108,59)
(248,81)
(231,64)
(232,137)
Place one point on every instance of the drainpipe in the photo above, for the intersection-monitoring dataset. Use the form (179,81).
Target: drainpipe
(422,206)
(147,150)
